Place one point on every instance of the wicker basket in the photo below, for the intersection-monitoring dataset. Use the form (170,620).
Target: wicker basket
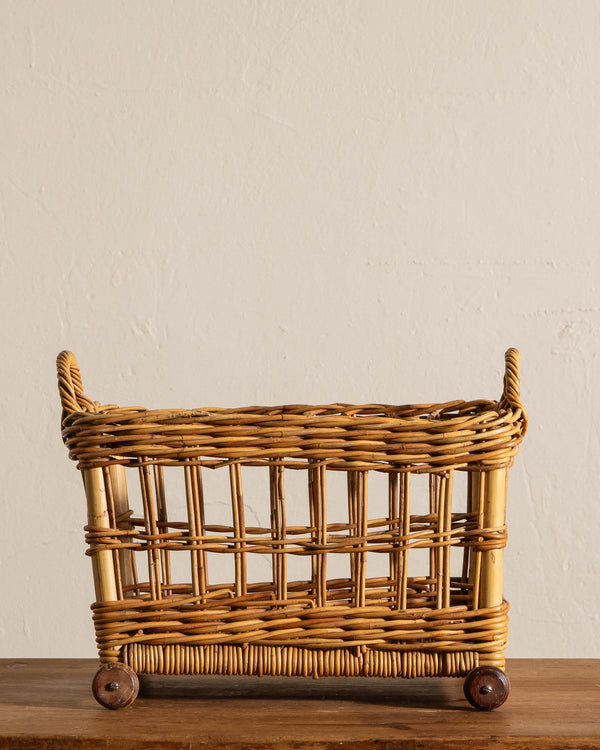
(370,541)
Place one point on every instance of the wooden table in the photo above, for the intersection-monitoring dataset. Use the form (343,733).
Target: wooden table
(47,704)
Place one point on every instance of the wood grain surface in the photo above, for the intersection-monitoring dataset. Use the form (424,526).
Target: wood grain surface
(48,704)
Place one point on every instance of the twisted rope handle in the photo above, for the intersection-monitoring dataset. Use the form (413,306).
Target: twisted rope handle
(511,395)
(70,387)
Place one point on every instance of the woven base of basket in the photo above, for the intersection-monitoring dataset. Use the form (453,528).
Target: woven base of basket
(316,642)
(290,661)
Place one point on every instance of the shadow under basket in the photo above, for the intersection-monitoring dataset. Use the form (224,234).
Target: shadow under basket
(334,540)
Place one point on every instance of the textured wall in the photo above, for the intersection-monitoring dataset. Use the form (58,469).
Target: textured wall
(234,202)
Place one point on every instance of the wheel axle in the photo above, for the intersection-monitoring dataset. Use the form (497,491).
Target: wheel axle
(115,685)
(486,688)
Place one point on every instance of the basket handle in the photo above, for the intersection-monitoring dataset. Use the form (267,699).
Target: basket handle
(70,387)
(511,395)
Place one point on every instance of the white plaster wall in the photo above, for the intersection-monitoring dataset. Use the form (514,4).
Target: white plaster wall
(230,202)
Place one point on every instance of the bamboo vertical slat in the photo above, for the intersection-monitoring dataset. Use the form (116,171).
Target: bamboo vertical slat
(278,530)
(357,502)
(443,491)
(199,506)
(118,485)
(196,520)
(405,516)
(110,504)
(239,529)
(162,523)
(494,512)
(154,570)
(191,501)
(434,551)
(317,489)
(98,518)
(395,531)
(475,506)
(448,488)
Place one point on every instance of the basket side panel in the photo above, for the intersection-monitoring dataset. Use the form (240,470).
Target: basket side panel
(421,555)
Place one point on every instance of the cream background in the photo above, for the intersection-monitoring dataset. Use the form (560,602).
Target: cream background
(231,202)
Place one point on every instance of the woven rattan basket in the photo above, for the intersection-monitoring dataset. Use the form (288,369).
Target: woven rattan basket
(297,540)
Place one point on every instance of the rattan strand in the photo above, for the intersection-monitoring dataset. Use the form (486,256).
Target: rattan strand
(291,661)
(333,626)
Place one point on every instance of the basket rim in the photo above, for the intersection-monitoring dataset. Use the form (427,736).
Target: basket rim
(438,435)
(405,414)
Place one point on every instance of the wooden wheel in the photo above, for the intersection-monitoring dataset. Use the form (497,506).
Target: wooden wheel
(486,688)
(115,685)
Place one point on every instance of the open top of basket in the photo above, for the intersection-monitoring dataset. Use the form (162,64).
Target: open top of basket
(426,437)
